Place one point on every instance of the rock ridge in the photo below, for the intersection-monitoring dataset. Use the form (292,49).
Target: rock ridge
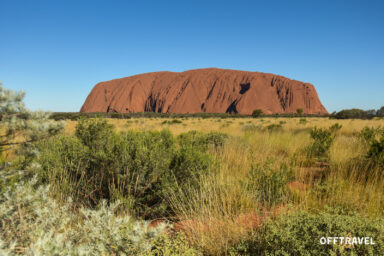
(208,90)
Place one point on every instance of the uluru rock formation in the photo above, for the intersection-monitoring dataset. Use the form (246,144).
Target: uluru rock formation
(204,90)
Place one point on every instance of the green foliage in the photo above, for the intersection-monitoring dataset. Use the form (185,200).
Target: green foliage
(257,113)
(335,127)
(376,151)
(259,128)
(355,113)
(34,224)
(302,121)
(274,127)
(79,115)
(176,245)
(299,233)
(94,133)
(173,121)
(137,168)
(380,112)
(251,128)
(299,111)
(202,141)
(322,140)
(369,134)
(21,128)
(269,183)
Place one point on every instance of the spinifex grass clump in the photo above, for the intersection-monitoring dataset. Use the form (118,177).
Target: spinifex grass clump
(302,121)
(202,141)
(138,168)
(250,127)
(269,183)
(274,128)
(173,121)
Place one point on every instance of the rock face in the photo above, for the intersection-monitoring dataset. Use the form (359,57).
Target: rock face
(204,90)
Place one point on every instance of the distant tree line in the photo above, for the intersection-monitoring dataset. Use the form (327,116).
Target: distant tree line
(343,114)
(356,113)
(255,114)
(78,115)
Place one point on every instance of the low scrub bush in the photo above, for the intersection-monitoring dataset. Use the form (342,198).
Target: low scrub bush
(373,139)
(259,128)
(369,134)
(376,152)
(34,224)
(251,128)
(322,140)
(302,121)
(299,233)
(21,128)
(202,141)
(257,113)
(173,121)
(274,128)
(299,111)
(137,168)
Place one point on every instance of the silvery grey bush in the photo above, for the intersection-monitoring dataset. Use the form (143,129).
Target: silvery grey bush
(32,223)
(19,126)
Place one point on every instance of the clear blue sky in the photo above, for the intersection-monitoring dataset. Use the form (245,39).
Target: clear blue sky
(58,50)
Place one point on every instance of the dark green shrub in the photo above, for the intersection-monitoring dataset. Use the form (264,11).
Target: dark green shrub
(257,113)
(303,121)
(354,113)
(268,183)
(274,128)
(137,168)
(187,165)
(94,133)
(299,111)
(202,140)
(335,127)
(376,151)
(173,121)
(128,167)
(380,112)
(299,233)
(322,140)
(369,134)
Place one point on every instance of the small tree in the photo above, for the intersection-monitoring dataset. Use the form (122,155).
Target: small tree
(257,113)
(20,127)
(380,112)
(299,111)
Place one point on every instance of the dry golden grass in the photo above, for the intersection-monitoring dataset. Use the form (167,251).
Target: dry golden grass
(222,199)
(232,126)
